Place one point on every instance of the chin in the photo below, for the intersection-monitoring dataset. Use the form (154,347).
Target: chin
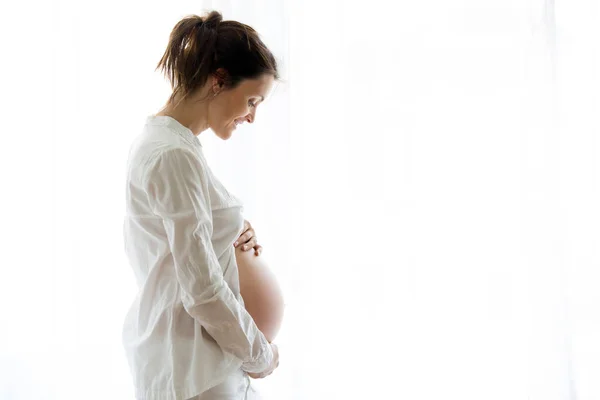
(224,134)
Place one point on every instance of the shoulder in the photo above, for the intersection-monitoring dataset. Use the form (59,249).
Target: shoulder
(173,162)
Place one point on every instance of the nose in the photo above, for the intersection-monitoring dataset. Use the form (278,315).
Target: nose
(250,117)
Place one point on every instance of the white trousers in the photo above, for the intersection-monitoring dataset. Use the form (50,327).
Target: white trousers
(236,386)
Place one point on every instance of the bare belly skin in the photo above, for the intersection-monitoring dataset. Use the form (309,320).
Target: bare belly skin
(261,292)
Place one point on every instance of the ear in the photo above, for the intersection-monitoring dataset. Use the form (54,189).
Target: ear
(216,85)
(218,80)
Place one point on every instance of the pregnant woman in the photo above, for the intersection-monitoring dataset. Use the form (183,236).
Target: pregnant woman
(206,311)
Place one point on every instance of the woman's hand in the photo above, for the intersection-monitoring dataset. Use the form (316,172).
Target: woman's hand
(271,368)
(247,240)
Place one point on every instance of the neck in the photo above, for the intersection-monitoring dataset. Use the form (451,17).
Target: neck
(192,114)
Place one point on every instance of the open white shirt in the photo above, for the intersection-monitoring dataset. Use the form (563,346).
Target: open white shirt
(187,328)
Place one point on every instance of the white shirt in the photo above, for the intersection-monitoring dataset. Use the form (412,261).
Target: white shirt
(187,329)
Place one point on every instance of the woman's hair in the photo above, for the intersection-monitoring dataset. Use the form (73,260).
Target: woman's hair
(199,46)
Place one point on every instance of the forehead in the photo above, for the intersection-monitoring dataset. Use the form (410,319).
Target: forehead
(256,87)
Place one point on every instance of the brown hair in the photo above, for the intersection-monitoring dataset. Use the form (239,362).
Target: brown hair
(199,46)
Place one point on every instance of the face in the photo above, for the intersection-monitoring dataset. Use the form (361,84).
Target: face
(233,107)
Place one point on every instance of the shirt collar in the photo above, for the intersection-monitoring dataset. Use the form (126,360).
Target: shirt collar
(176,126)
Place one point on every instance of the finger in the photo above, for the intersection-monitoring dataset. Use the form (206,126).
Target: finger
(256,376)
(244,238)
(250,243)
(258,249)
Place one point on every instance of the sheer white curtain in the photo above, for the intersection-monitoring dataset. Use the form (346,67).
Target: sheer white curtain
(578,93)
(425,182)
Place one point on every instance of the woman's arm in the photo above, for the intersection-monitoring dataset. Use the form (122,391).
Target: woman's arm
(177,189)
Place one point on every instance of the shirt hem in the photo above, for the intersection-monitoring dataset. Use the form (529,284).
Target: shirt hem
(184,393)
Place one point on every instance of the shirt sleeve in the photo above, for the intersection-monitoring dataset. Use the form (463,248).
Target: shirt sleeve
(177,189)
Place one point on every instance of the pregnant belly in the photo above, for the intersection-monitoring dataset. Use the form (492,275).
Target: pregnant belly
(261,293)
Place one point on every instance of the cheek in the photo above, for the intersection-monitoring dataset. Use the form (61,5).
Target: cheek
(220,113)
(238,112)
(226,110)
(239,108)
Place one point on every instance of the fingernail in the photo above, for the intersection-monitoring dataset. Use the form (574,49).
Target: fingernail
(245,247)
